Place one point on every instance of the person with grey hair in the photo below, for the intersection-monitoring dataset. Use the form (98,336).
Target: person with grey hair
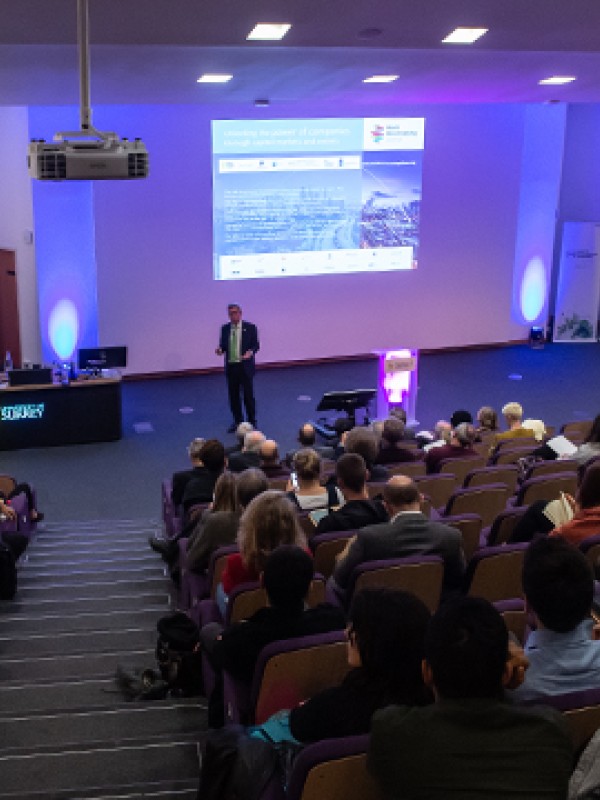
(459,446)
(364,442)
(250,454)
(238,344)
(440,437)
(240,432)
(513,414)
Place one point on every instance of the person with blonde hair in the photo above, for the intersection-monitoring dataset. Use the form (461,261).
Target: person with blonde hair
(307,492)
(513,414)
(269,521)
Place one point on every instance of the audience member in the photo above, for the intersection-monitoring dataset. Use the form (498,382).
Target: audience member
(408,533)
(537,427)
(487,420)
(181,479)
(270,462)
(460,416)
(559,587)
(308,494)
(390,449)
(385,637)
(513,414)
(591,445)
(307,437)
(20,488)
(459,446)
(441,436)
(400,413)
(240,432)
(268,521)
(201,485)
(219,526)
(287,573)
(357,511)
(471,742)
(586,507)
(250,453)
(364,442)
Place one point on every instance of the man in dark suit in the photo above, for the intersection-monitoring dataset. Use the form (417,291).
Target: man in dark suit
(408,533)
(238,344)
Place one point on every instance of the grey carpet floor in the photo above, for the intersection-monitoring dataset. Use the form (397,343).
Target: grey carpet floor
(89,596)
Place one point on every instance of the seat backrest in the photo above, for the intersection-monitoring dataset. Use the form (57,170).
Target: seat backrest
(501,473)
(578,429)
(289,671)
(551,468)
(7,484)
(487,501)
(590,547)
(247,598)
(375,488)
(510,455)
(517,441)
(514,616)
(410,468)
(546,487)
(469,526)
(216,565)
(581,711)
(335,769)
(325,547)
(460,467)
(438,488)
(421,575)
(494,573)
(278,483)
(504,524)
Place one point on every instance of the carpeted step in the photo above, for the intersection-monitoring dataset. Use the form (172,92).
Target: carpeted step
(34,646)
(47,732)
(82,665)
(21,625)
(77,605)
(61,589)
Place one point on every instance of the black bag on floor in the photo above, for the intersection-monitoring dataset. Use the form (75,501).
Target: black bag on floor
(177,655)
(8,573)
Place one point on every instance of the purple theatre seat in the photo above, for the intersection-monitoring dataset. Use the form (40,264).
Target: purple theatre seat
(494,573)
(581,711)
(325,547)
(422,575)
(502,527)
(171,515)
(487,501)
(202,588)
(286,673)
(590,547)
(335,769)
(546,487)
(25,524)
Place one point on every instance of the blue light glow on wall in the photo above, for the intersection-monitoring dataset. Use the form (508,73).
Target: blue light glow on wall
(65,251)
(541,162)
(533,289)
(66,267)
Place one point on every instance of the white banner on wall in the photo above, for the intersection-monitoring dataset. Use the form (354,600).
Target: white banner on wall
(578,291)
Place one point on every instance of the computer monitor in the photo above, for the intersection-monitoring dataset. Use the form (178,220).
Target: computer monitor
(102,358)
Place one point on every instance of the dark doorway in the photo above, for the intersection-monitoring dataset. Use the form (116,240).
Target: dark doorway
(9,308)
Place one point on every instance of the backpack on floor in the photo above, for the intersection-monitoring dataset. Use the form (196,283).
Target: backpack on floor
(8,573)
(178,659)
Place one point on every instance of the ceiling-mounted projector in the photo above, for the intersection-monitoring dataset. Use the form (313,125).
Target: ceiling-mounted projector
(86,154)
(84,160)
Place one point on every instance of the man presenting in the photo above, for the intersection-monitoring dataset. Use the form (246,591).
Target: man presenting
(238,343)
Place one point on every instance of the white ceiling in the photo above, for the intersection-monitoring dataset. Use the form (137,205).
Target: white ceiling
(152,51)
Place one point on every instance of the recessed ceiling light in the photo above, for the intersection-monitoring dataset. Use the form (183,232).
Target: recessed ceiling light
(557,80)
(464,35)
(381,79)
(269,31)
(214,77)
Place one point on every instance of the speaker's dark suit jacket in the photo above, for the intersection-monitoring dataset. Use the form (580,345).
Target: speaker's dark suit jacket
(410,534)
(249,341)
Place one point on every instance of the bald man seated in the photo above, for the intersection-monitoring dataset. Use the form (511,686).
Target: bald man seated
(408,533)
(307,436)
(270,462)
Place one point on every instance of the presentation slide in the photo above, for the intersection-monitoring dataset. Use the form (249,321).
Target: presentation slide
(315,196)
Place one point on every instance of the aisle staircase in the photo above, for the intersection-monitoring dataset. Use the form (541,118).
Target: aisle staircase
(88,598)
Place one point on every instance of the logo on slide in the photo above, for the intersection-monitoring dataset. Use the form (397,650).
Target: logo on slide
(377,133)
